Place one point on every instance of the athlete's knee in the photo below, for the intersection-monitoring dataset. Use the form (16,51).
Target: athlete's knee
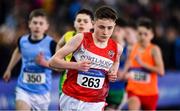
(21,105)
(134,103)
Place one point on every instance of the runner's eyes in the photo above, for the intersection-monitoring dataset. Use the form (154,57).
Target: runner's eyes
(79,20)
(85,21)
(109,28)
(35,23)
(101,27)
(143,33)
(41,23)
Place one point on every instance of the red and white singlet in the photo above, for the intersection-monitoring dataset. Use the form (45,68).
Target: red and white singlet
(91,86)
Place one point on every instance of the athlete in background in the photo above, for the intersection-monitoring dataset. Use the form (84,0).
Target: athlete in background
(117,88)
(83,23)
(142,68)
(35,49)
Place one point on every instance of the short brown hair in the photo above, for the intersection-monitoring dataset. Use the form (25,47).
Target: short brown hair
(105,12)
(38,12)
(87,12)
(146,22)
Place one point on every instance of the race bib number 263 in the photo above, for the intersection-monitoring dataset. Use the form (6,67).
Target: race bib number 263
(91,79)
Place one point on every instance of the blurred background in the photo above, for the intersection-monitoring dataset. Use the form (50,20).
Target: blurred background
(164,13)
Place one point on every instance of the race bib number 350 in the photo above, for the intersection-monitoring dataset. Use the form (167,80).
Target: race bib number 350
(32,78)
(91,79)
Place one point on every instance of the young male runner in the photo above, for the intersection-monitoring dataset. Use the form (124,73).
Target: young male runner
(89,71)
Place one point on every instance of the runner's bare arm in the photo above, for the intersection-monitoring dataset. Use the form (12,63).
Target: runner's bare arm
(112,74)
(14,59)
(58,62)
(60,43)
(159,65)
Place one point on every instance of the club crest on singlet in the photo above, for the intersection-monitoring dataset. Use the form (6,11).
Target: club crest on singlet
(111,53)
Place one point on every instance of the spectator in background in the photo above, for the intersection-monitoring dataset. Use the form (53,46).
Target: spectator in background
(162,42)
(74,7)
(177,53)
(34,82)
(170,36)
(4,9)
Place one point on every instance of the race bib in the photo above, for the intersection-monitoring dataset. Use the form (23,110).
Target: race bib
(93,79)
(140,76)
(34,78)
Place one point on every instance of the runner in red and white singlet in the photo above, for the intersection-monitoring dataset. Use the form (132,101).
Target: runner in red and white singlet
(95,62)
(91,86)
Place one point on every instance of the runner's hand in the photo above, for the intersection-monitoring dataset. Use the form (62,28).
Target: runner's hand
(112,75)
(83,65)
(7,75)
(41,60)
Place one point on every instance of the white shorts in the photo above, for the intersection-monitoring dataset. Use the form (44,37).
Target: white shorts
(35,101)
(68,103)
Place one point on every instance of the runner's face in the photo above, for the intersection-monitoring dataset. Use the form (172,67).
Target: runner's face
(131,35)
(144,35)
(38,26)
(118,34)
(83,23)
(103,29)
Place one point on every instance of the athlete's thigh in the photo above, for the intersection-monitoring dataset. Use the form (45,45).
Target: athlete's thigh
(149,102)
(92,106)
(22,100)
(22,105)
(40,101)
(134,102)
(67,103)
